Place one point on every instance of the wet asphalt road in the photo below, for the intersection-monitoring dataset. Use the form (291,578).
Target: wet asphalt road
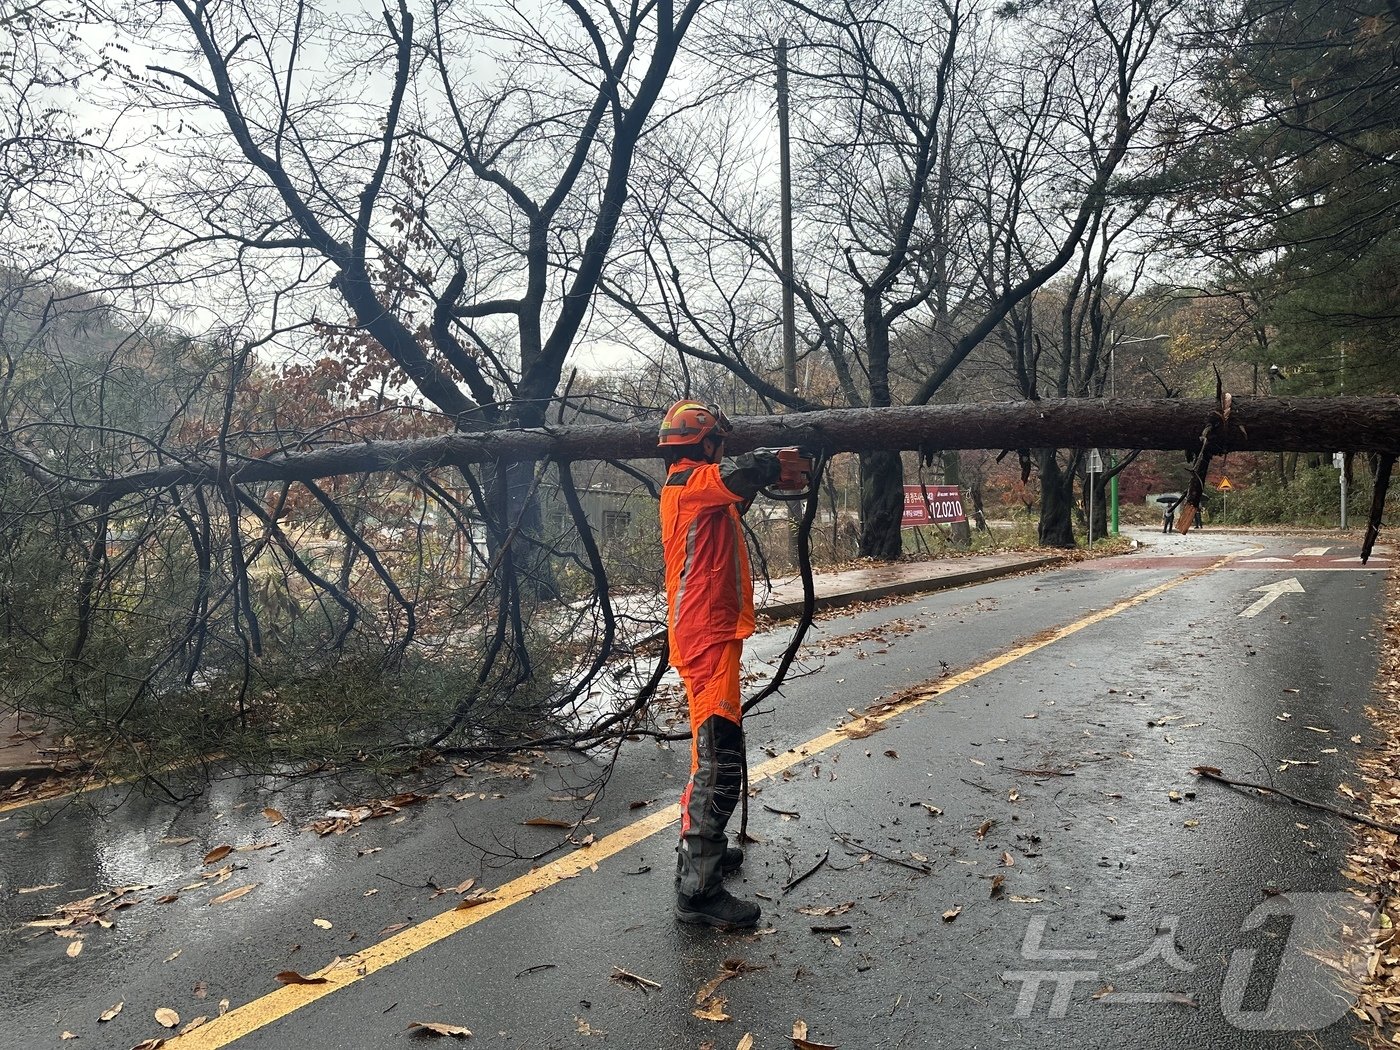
(1120,911)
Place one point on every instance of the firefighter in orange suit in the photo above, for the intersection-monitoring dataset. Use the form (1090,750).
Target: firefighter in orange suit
(709,600)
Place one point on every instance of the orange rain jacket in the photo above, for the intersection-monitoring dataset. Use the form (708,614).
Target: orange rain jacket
(709,591)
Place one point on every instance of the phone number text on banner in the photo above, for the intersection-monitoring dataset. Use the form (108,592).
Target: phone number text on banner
(943,505)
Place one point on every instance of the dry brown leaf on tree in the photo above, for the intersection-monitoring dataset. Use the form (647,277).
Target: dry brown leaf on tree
(437,1028)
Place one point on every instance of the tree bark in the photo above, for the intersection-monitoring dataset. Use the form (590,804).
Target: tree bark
(1056,528)
(1264,424)
(881,505)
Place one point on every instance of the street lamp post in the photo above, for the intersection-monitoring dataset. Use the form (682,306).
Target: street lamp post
(1112,396)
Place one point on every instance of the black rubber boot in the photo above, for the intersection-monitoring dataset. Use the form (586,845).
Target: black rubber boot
(721,909)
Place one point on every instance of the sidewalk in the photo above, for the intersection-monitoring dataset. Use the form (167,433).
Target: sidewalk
(28,754)
(835,589)
(26,750)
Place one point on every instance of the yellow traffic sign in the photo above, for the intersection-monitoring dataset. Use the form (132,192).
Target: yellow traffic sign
(1224,485)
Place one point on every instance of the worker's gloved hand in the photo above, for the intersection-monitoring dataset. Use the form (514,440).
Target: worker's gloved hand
(745,475)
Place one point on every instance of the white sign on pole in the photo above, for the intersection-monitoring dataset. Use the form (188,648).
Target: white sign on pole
(1094,465)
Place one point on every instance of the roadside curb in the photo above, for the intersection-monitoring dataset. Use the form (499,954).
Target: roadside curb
(12,775)
(923,585)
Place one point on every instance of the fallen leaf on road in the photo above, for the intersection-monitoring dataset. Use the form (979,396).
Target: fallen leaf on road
(985,827)
(274,816)
(395,928)
(194,1023)
(473,900)
(933,810)
(582,1027)
(149,1044)
(217,854)
(233,895)
(67,1035)
(862,728)
(75,949)
(800,1040)
(712,1010)
(998,883)
(223,1007)
(1315,729)
(200,989)
(169,898)
(462,887)
(833,909)
(292,977)
(325,924)
(746,1043)
(174,955)
(111,1012)
(1025,900)
(166,1017)
(437,1028)
(185,841)
(952,913)
(38,889)
(547,822)
(633,980)
(1007,860)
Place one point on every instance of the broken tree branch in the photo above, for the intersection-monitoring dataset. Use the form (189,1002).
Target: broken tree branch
(1211,773)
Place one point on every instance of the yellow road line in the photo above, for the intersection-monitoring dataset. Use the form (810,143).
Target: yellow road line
(259,1013)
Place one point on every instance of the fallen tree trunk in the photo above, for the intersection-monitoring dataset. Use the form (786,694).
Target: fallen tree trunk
(1259,424)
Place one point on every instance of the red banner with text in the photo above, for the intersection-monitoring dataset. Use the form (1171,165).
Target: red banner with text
(943,505)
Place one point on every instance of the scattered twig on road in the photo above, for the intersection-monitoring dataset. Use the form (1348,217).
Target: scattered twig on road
(536,968)
(979,787)
(1211,773)
(922,869)
(1041,772)
(782,812)
(808,873)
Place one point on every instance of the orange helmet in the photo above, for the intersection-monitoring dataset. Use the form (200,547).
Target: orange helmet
(689,423)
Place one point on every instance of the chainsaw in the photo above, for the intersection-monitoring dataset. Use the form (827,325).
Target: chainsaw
(795,482)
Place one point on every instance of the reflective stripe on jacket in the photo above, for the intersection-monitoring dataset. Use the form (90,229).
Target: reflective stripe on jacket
(709,590)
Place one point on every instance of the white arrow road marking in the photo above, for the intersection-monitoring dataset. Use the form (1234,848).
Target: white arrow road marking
(1312,552)
(1356,561)
(1271,592)
(1262,561)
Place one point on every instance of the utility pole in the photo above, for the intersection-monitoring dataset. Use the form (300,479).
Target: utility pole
(785,221)
(785,178)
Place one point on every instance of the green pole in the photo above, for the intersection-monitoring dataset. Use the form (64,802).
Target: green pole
(1112,500)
